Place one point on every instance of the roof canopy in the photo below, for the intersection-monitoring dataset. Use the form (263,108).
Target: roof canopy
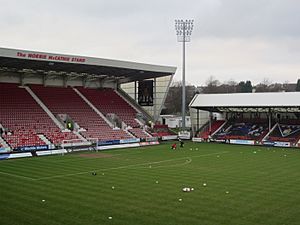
(248,102)
(29,62)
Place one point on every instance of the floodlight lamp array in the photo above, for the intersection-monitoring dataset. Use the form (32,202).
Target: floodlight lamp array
(184,29)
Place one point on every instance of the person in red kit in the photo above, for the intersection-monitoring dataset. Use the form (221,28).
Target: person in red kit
(174,146)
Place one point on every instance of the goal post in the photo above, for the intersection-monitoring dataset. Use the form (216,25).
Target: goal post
(94,143)
(79,144)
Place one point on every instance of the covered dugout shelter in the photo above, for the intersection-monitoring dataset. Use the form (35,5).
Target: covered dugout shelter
(270,108)
(51,69)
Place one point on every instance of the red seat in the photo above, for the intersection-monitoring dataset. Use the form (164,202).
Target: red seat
(62,100)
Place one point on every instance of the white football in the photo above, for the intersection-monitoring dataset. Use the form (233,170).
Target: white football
(187,189)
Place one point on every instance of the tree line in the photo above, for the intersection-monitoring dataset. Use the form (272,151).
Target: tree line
(214,86)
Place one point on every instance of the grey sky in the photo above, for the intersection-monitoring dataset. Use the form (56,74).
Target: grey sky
(232,39)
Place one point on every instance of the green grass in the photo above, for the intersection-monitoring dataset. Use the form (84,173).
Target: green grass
(263,187)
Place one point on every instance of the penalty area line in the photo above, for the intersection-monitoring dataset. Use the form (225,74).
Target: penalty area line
(18,176)
(188,161)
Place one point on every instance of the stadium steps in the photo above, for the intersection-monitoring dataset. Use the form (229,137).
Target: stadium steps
(93,107)
(220,127)
(65,100)
(268,134)
(45,139)
(129,133)
(203,128)
(107,101)
(295,140)
(128,102)
(216,126)
(23,117)
(140,133)
(160,130)
(298,142)
(79,136)
(147,133)
(4,144)
(133,104)
(44,107)
(139,122)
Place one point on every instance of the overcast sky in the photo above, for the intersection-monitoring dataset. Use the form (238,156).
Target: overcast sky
(232,39)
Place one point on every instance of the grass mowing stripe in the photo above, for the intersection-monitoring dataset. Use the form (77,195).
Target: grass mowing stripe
(127,166)
(17,176)
(263,187)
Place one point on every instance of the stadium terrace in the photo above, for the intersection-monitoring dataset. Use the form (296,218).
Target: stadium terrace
(66,102)
(270,119)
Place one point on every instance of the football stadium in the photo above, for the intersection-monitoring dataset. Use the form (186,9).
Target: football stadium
(79,144)
(270,119)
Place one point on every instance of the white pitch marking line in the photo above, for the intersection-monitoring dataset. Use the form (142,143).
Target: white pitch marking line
(15,175)
(179,164)
(78,158)
(128,166)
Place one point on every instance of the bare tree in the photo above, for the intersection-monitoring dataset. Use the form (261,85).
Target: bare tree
(211,85)
(298,85)
(263,86)
(174,98)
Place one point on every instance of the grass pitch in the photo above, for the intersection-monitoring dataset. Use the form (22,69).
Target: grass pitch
(244,186)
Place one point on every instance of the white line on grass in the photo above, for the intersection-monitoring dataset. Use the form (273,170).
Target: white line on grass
(15,175)
(188,161)
(128,166)
(77,158)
